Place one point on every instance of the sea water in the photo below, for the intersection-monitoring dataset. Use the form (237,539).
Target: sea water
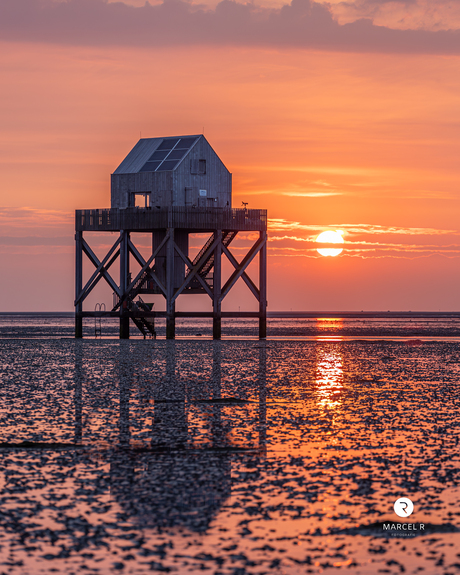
(59,325)
(239,456)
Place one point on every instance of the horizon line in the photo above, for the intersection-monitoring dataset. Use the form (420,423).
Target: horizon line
(289,314)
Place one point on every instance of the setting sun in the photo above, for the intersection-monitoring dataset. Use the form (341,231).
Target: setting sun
(331,237)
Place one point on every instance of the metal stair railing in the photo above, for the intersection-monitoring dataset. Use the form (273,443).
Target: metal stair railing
(136,288)
(146,325)
(227,238)
(200,254)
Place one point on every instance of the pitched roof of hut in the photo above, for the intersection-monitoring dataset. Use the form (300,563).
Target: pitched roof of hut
(157,154)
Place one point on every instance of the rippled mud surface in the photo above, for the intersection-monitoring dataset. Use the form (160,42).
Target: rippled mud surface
(233,457)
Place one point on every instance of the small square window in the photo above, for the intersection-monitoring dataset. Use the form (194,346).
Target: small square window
(198,167)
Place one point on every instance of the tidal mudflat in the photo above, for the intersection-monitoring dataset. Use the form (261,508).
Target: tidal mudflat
(232,457)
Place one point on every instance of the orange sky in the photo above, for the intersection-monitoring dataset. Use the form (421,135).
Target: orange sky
(364,142)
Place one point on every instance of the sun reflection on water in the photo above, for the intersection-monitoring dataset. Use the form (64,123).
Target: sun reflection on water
(329,378)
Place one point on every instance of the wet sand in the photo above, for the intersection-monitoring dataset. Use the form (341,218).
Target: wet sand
(228,457)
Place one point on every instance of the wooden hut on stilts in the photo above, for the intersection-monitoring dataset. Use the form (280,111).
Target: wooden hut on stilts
(170,188)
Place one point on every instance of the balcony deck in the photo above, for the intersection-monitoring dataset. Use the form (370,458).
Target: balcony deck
(148,219)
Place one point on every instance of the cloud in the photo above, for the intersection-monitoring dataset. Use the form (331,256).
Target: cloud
(363,240)
(32,221)
(319,194)
(282,224)
(37,241)
(401,14)
(300,24)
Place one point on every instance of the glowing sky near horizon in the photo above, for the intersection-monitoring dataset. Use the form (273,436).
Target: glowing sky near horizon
(366,141)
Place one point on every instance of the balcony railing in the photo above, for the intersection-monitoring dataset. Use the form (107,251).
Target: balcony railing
(147,219)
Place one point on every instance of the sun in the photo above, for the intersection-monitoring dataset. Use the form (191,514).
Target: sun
(330,237)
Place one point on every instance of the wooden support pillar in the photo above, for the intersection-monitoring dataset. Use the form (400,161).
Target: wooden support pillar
(217,288)
(124,282)
(170,302)
(124,326)
(78,283)
(263,287)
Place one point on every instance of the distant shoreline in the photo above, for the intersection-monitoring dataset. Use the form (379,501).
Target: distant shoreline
(289,314)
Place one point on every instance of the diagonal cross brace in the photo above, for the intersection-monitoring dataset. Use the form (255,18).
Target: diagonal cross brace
(92,282)
(144,265)
(196,268)
(83,296)
(189,263)
(241,268)
(95,261)
(248,281)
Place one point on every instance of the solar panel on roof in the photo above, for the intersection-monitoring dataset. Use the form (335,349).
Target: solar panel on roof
(158,155)
(168,144)
(150,166)
(177,154)
(186,143)
(167,165)
(167,155)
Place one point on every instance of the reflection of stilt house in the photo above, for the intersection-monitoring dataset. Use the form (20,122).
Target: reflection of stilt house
(170,188)
(185,463)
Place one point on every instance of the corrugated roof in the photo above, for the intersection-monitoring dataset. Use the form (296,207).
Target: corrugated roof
(142,151)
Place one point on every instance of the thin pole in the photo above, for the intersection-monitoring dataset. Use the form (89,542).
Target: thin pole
(217,288)
(170,304)
(263,287)
(124,271)
(78,283)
